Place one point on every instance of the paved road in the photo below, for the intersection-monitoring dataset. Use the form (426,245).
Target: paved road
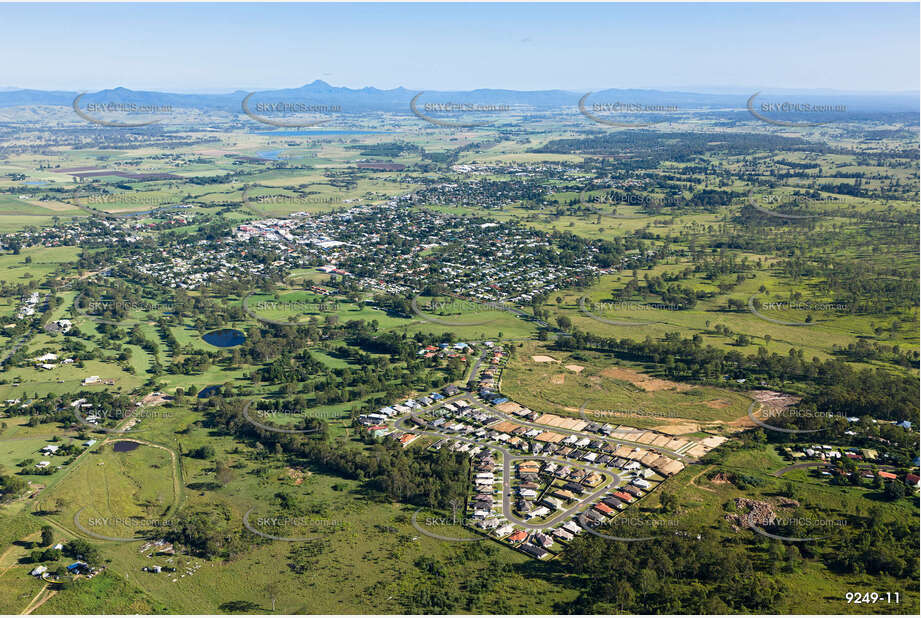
(476,366)
(565,515)
(593,436)
(507,458)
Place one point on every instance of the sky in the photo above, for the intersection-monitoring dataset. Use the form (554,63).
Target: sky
(578,47)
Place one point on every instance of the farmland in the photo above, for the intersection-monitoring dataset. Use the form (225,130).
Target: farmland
(381,367)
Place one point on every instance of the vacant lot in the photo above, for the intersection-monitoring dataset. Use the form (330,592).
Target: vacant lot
(614,392)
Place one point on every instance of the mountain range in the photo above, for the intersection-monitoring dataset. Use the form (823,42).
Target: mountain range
(398,99)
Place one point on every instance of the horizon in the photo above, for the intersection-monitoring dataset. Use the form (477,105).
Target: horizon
(715,90)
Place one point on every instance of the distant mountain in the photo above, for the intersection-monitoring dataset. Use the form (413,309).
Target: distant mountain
(397,100)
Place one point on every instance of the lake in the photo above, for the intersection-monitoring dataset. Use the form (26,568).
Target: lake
(208,391)
(125,446)
(225,338)
(273,155)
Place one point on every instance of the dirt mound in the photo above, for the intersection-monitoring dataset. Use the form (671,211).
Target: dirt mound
(774,399)
(575,368)
(544,359)
(755,512)
(155,399)
(296,474)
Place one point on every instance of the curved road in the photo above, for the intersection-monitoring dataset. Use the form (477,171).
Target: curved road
(605,439)
(507,458)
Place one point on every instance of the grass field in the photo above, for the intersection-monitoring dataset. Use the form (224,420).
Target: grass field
(704,505)
(567,382)
(111,489)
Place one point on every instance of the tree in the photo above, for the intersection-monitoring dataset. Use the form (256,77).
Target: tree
(272,589)
(624,596)
(669,501)
(202,452)
(894,490)
(236,607)
(82,550)
(47,536)
(788,490)
(223,473)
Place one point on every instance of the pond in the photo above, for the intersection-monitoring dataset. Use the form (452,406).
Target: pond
(225,338)
(125,446)
(272,155)
(208,391)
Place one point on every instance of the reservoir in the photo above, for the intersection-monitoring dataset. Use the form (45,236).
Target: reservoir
(208,391)
(225,338)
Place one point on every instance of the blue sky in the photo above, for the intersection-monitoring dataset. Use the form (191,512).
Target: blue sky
(580,47)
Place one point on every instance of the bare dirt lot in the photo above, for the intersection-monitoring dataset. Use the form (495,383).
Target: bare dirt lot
(643,381)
